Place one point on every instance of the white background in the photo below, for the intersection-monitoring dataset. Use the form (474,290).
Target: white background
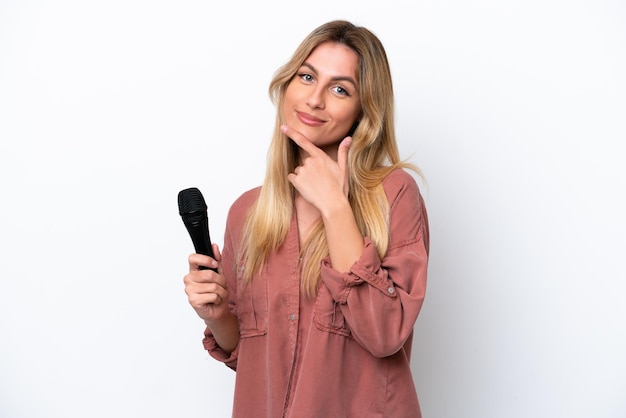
(515,111)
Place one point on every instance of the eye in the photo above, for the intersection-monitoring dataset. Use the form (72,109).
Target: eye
(306,77)
(340,90)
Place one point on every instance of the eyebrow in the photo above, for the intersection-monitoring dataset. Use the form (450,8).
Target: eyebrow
(337,78)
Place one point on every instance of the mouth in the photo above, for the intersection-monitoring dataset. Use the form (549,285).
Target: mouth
(309,119)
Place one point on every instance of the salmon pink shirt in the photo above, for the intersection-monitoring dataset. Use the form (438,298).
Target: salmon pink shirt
(344,353)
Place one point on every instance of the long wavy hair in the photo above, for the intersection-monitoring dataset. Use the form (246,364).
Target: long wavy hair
(373,155)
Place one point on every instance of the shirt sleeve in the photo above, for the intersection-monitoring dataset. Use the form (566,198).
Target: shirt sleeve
(217,353)
(381,299)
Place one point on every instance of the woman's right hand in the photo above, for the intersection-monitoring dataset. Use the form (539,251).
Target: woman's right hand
(207,290)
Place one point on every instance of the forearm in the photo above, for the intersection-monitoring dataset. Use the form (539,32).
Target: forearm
(345,242)
(225,331)
(396,288)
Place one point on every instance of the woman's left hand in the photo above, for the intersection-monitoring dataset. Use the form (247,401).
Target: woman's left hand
(319,179)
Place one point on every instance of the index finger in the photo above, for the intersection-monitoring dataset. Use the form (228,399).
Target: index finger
(199,275)
(201,262)
(300,140)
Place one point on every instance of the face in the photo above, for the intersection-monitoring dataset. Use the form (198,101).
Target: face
(322,100)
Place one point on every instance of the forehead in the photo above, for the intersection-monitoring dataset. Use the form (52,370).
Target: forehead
(334,60)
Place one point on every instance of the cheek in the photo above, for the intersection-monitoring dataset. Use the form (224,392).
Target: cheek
(294,92)
(290,101)
(347,117)
(350,109)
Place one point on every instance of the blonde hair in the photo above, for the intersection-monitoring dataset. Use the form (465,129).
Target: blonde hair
(373,155)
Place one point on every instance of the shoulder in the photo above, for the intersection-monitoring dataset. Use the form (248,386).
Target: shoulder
(247,198)
(239,211)
(240,206)
(399,183)
(408,215)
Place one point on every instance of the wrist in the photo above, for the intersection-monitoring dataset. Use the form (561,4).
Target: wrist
(218,318)
(336,209)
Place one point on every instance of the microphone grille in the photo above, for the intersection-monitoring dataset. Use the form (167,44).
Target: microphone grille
(190,200)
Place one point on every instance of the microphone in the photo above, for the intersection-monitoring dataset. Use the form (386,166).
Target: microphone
(193,210)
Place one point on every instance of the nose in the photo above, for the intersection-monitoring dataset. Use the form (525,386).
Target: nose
(316,98)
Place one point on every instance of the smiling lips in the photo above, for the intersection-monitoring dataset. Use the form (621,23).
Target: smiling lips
(308,119)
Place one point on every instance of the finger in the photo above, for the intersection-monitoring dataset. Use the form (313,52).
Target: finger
(300,140)
(200,260)
(342,153)
(200,293)
(218,257)
(217,295)
(208,289)
(342,162)
(203,281)
(200,300)
(216,252)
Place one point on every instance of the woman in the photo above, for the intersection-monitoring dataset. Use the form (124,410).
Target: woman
(323,270)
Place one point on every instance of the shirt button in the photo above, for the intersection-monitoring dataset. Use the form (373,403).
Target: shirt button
(292,317)
(391,290)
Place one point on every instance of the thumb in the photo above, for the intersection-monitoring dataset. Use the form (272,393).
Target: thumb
(342,152)
(342,158)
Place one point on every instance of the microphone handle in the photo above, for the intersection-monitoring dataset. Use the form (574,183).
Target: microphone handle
(197,226)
